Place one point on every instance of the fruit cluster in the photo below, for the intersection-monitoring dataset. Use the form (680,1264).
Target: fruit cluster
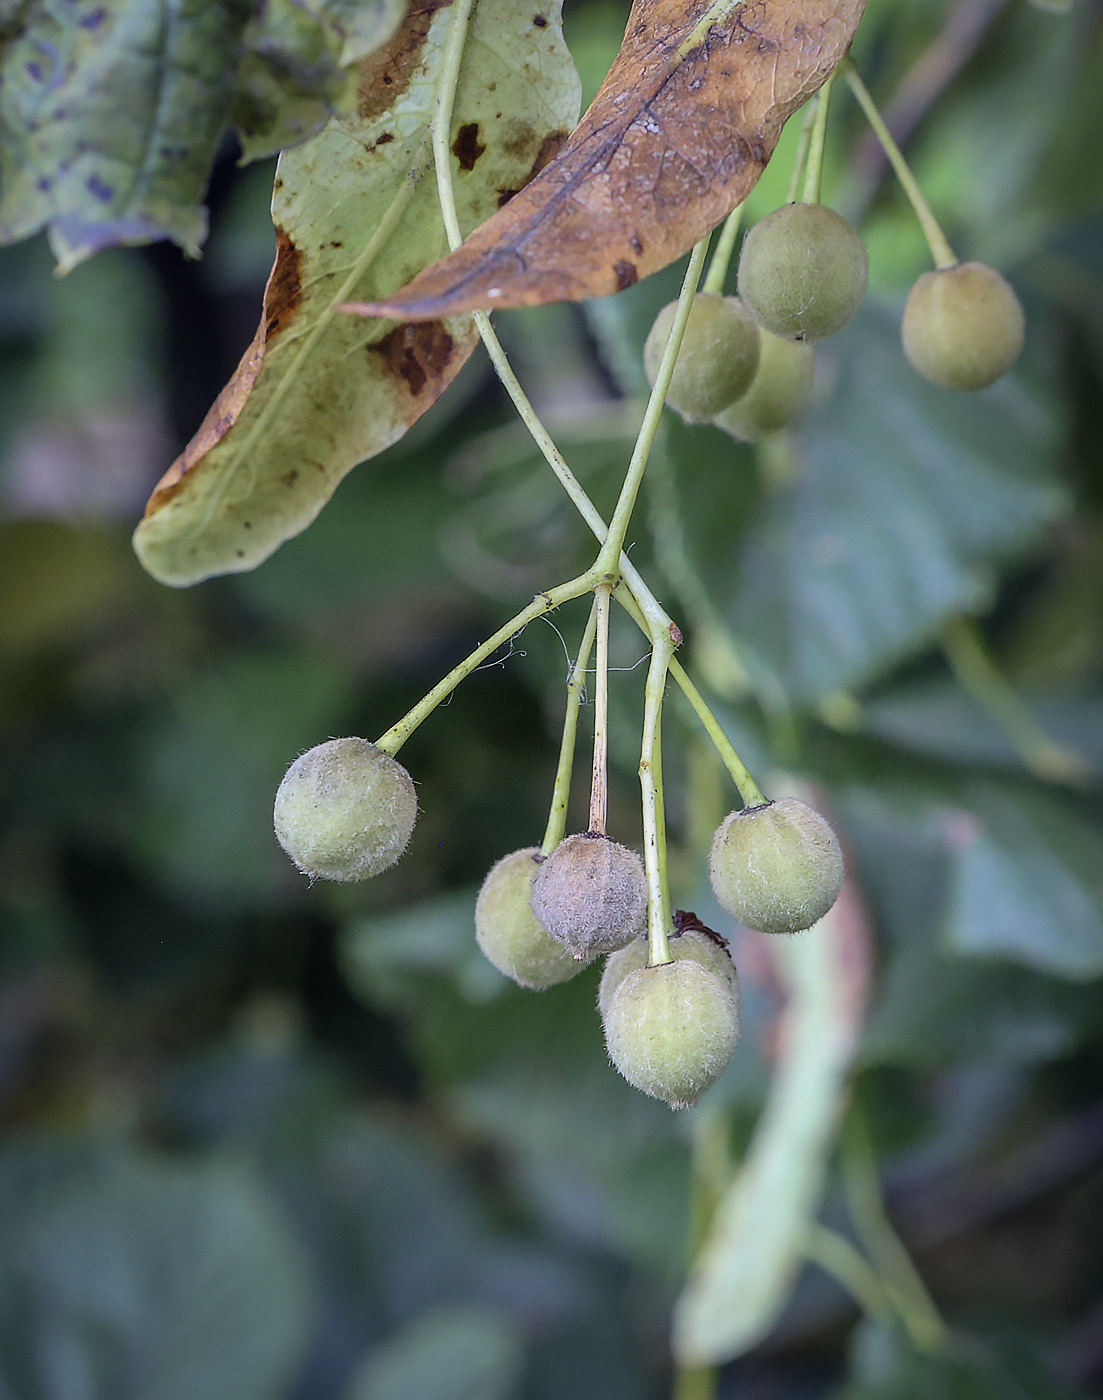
(345,811)
(746,361)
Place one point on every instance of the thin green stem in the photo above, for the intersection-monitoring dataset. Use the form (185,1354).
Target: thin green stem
(609,554)
(651,788)
(543,603)
(836,1256)
(561,792)
(722,255)
(801,156)
(979,675)
(696,1383)
(459,17)
(599,782)
(893,1263)
(749,790)
(813,173)
(642,604)
(941,251)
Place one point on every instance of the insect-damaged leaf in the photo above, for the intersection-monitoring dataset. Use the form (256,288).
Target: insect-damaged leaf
(357,216)
(679,133)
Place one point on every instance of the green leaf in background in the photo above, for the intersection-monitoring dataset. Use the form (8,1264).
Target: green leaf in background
(885,1366)
(1026,882)
(111,114)
(290,81)
(932,1006)
(449,1353)
(905,498)
(938,719)
(363,24)
(109,119)
(754,1245)
(130,1276)
(210,769)
(357,214)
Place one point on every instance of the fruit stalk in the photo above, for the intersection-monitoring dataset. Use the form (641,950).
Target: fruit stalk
(609,554)
(599,782)
(941,251)
(576,681)
(813,173)
(722,255)
(654,811)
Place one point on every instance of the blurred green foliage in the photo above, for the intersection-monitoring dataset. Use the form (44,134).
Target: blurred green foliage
(270,1141)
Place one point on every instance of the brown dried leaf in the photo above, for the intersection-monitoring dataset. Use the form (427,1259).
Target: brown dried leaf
(678,135)
(357,214)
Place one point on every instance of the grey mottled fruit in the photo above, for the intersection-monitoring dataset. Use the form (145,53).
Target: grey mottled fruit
(591,894)
(345,810)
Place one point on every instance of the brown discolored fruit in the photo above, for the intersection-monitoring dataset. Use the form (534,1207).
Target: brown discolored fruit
(698,947)
(510,934)
(777,868)
(717,359)
(963,326)
(671,1030)
(778,391)
(591,894)
(345,810)
(803,271)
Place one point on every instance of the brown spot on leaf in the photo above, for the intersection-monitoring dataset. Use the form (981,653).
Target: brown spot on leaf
(285,288)
(540,22)
(416,352)
(676,137)
(467,148)
(637,244)
(626,274)
(385,74)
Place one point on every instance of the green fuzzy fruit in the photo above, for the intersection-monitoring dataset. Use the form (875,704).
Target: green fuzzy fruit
(717,359)
(671,1030)
(698,947)
(591,895)
(345,810)
(777,868)
(778,391)
(510,934)
(963,326)
(803,271)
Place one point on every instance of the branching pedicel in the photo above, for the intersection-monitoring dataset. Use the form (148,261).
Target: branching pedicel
(669,994)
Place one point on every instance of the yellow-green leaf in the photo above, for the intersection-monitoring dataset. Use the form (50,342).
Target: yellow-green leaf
(357,216)
(746,1268)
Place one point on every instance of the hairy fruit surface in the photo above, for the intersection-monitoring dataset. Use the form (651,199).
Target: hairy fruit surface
(697,947)
(671,1030)
(963,326)
(778,391)
(717,359)
(591,894)
(776,868)
(345,810)
(803,271)
(510,934)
